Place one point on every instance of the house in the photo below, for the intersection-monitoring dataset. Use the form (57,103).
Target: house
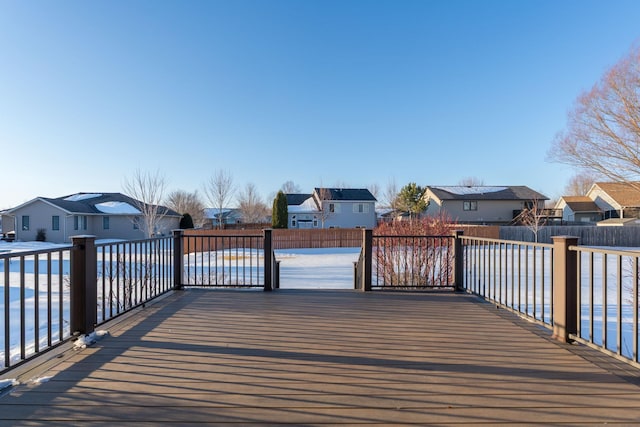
(579,209)
(616,199)
(104,215)
(302,210)
(332,208)
(213,217)
(481,204)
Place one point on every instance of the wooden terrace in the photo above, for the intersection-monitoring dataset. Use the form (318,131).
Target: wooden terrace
(323,357)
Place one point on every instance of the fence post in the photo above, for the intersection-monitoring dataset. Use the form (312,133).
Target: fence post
(458,262)
(83,290)
(178,258)
(565,288)
(367,248)
(268,254)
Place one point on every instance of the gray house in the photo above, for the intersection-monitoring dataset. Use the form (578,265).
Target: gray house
(104,215)
(481,204)
(332,208)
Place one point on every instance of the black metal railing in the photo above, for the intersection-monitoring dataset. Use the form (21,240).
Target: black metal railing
(413,262)
(514,275)
(132,273)
(607,300)
(224,261)
(34,303)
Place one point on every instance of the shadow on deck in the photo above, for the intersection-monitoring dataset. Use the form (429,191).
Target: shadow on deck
(314,357)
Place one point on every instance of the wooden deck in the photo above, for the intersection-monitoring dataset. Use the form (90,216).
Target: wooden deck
(324,357)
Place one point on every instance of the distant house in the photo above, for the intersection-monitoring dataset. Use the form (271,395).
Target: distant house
(303,211)
(332,208)
(104,215)
(579,209)
(213,217)
(616,199)
(481,204)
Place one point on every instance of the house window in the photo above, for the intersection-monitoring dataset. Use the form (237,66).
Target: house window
(55,222)
(105,222)
(80,222)
(470,206)
(332,207)
(136,225)
(25,222)
(360,208)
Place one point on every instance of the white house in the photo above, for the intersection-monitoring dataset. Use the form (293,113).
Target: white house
(332,208)
(481,204)
(104,215)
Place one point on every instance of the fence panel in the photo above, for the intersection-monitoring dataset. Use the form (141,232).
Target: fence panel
(131,273)
(413,262)
(223,260)
(608,300)
(515,275)
(34,303)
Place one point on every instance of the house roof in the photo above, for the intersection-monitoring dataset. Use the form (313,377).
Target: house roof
(97,204)
(294,199)
(485,192)
(345,194)
(581,204)
(623,193)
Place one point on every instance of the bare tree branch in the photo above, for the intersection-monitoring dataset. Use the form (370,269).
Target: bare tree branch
(147,191)
(219,190)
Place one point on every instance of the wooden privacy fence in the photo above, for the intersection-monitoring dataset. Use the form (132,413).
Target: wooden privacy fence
(211,240)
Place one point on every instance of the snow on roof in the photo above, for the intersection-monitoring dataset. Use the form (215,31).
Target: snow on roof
(117,208)
(308,205)
(471,189)
(82,196)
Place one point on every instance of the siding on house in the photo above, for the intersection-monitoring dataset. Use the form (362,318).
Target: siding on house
(78,216)
(481,204)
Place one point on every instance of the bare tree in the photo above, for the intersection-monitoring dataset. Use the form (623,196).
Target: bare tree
(251,205)
(290,187)
(327,208)
(147,191)
(471,181)
(533,217)
(219,190)
(374,189)
(390,195)
(603,129)
(580,183)
(184,202)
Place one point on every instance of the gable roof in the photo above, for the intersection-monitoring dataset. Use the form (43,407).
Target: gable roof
(97,204)
(623,193)
(345,194)
(485,192)
(580,204)
(294,199)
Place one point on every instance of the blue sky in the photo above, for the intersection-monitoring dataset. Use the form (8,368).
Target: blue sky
(326,92)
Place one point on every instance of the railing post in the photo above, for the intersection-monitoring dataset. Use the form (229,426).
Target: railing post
(83,291)
(276,277)
(458,262)
(565,288)
(367,248)
(178,258)
(268,262)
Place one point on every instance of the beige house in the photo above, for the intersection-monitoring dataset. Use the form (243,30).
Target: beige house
(481,204)
(616,199)
(104,215)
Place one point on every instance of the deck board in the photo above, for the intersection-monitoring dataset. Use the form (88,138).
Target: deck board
(325,357)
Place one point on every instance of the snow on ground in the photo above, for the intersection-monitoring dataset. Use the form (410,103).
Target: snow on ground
(10,247)
(330,268)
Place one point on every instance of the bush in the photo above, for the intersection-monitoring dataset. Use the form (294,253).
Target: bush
(411,253)
(41,235)
(186,222)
